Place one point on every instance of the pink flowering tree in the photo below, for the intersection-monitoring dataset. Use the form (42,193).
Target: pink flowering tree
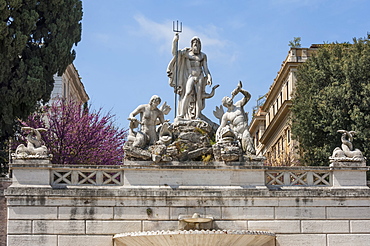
(79,136)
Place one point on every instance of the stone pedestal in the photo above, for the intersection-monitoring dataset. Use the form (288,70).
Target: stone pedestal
(349,173)
(32,172)
(194,174)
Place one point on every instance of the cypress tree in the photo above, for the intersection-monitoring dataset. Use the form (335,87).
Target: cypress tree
(36,40)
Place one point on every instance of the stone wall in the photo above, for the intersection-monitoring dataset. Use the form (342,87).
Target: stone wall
(4,183)
(83,214)
(92,216)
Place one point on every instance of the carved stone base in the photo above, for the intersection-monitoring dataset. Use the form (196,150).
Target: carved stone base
(347,162)
(227,151)
(134,153)
(192,143)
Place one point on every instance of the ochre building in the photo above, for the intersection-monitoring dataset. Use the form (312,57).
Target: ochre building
(271,125)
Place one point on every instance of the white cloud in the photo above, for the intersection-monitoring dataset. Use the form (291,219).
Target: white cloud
(102,38)
(162,34)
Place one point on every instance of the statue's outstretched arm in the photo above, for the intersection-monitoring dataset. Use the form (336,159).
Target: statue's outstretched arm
(174,44)
(137,111)
(246,97)
(245,93)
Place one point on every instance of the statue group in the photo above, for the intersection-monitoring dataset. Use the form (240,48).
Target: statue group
(192,136)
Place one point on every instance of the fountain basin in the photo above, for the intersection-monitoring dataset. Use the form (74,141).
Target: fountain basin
(194,238)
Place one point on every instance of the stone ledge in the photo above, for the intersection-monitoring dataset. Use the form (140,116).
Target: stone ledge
(30,161)
(80,191)
(249,165)
(49,165)
(195,164)
(189,201)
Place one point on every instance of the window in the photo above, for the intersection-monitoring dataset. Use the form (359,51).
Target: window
(281,98)
(64,90)
(287,90)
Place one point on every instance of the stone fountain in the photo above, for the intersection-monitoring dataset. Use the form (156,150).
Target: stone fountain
(194,237)
(194,234)
(191,138)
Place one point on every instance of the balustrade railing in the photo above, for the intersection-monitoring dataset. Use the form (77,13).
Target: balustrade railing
(298,177)
(83,176)
(273,177)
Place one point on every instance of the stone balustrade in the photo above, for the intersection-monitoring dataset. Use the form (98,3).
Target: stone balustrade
(177,174)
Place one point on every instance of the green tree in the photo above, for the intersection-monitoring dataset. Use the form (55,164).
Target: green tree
(295,43)
(332,93)
(36,40)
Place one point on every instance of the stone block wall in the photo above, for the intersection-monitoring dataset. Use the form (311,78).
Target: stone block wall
(91,216)
(4,183)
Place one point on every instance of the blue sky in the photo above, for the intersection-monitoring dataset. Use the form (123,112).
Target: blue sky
(126,45)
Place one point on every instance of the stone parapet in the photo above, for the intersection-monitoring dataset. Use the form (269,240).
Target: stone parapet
(189,174)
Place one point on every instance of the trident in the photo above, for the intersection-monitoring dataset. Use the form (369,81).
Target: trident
(176,29)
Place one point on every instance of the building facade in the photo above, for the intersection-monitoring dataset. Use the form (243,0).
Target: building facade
(69,86)
(270,126)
